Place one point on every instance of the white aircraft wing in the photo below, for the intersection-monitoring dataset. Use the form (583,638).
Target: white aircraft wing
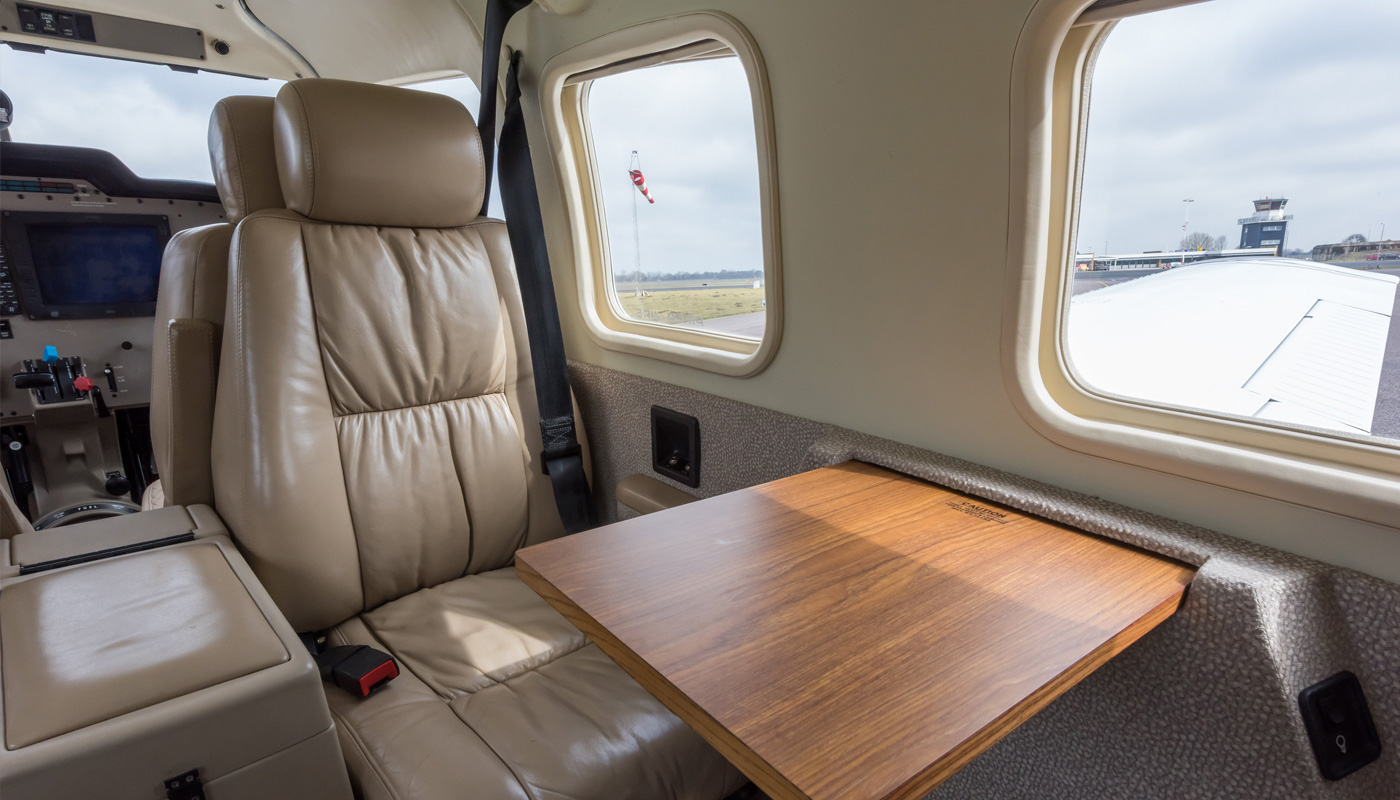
(1274,338)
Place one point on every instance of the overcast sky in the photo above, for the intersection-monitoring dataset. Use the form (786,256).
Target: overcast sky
(1233,100)
(1222,102)
(153,118)
(692,127)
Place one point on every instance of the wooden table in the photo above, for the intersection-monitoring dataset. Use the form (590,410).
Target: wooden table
(851,632)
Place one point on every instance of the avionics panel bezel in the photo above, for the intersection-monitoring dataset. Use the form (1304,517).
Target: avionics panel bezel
(16,237)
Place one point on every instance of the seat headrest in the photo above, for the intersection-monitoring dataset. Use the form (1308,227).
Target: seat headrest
(240,149)
(364,154)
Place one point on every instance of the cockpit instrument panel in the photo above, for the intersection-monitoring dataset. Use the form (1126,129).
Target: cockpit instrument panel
(85,266)
(81,242)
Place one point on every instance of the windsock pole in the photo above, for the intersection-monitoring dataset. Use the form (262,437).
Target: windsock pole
(634,176)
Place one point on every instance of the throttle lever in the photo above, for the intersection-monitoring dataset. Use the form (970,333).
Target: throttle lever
(85,384)
(34,380)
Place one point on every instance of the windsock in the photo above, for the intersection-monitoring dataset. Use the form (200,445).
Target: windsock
(641,184)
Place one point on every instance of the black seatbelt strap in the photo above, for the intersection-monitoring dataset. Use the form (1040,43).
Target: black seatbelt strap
(498,14)
(562,457)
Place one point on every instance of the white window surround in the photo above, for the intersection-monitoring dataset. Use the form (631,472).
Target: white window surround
(564,110)
(1357,478)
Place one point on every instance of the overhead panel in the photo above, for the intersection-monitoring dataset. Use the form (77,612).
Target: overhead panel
(60,25)
(214,36)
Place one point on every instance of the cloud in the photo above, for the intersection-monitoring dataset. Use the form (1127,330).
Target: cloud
(154,119)
(151,117)
(1229,101)
(692,127)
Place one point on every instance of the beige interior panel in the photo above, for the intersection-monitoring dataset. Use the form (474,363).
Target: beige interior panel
(400,41)
(895,212)
(646,495)
(88,645)
(259,702)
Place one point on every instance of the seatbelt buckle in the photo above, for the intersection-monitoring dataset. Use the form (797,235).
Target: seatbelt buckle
(566,453)
(358,669)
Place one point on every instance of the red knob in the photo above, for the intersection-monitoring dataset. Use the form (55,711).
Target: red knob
(83,383)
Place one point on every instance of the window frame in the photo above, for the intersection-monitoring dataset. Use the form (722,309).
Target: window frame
(1352,476)
(565,112)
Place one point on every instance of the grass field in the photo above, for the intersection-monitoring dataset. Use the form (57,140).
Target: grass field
(706,303)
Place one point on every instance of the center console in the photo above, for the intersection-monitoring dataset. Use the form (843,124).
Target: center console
(141,658)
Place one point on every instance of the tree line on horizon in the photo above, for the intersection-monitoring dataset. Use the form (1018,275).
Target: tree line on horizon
(1202,241)
(724,274)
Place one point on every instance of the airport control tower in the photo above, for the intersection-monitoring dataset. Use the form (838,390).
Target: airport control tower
(1268,226)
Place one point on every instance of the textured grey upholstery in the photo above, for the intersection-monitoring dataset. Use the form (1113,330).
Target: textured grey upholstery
(1205,706)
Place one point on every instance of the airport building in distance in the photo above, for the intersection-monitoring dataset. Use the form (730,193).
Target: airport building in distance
(1268,227)
(1260,235)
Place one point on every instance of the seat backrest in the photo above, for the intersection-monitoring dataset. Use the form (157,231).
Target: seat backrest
(190,300)
(376,430)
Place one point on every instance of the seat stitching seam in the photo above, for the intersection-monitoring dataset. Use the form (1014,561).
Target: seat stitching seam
(207,473)
(535,668)
(309,152)
(379,640)
(524,786)
(244,401)
(461,487)
(174,389)
(335,421)
(479,222)
(364,751)
(419,405)
(235,171)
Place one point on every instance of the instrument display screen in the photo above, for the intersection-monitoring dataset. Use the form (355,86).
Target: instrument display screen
(96,264)
(83,265)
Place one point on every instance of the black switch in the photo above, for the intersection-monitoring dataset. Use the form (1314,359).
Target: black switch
(48,22)
(1332,709)
(28,19)
(1339,724)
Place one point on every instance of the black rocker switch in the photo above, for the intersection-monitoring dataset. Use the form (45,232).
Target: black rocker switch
(1339,724)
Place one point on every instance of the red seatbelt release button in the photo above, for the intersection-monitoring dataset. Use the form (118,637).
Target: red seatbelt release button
(358,669)
(378,676)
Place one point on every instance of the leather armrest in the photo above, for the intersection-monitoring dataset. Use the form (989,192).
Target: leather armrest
(193,349)
(646,495)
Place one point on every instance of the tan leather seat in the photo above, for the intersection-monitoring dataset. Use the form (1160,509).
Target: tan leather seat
(190,303)
(376,455)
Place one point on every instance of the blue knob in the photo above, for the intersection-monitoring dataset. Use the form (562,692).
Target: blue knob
(50,353)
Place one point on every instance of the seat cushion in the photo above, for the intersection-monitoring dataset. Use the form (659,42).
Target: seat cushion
(500,697)
(153,497)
